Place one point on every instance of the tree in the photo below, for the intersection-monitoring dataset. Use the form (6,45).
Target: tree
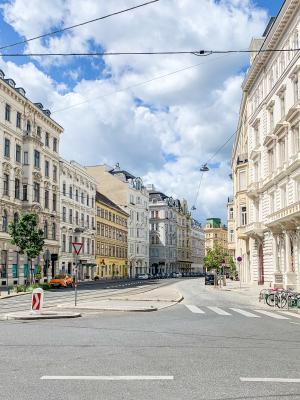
(28,237)
(214,257)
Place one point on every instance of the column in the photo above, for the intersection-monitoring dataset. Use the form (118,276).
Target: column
(288,263)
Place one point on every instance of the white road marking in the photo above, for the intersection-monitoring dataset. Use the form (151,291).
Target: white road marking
(245,313)
(270,314)
(218,310)
(109,377)
(291,314)
(194,309)
(281,380)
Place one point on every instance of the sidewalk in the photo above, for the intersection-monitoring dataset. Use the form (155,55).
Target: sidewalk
(153,300)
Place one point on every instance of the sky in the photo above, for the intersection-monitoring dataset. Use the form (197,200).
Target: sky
(161,117)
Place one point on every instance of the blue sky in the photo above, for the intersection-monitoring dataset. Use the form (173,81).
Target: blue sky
(164,130)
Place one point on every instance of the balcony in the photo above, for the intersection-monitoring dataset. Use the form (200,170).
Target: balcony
(255,152)
(241,232)
(254,189)
(256,229)
(289,215)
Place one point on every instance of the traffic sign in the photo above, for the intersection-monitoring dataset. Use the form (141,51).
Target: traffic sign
(37,300)
(77,247)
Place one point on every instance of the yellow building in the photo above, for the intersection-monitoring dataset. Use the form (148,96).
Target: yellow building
(111,239)
(215,234)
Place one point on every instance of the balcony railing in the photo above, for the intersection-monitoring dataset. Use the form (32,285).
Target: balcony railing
(255,229)
(285,213)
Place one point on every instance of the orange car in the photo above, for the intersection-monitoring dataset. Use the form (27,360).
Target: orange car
(62,280)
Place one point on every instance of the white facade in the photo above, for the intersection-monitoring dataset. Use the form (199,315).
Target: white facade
(197,247)
(29,171)
(163,233)
(267,178)
(129,193)
(77,213)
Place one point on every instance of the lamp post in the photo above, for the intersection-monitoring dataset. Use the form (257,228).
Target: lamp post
(239,259)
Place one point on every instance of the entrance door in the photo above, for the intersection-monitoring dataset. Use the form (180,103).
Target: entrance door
(261,274)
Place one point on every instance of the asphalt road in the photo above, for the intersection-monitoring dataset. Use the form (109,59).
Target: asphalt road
(203,346)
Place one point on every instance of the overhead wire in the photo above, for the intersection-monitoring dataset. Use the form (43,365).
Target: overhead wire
(77,25)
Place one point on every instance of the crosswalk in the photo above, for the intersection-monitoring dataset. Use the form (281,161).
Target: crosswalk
(231,311)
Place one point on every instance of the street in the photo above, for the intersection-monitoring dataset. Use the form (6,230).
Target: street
(205,347)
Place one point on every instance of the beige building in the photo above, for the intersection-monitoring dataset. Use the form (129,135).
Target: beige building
(267,176)
(197,246)
(129,193)
(29,171)
(215,233)
(231,228)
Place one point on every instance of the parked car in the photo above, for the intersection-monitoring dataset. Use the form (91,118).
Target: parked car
(210,279)
(177,275)
(142,276)
(62,280)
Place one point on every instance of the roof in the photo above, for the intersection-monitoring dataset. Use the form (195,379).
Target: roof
(127,174)
(103,199)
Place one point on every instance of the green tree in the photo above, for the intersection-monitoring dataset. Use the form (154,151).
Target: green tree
(214,257)
(28,237)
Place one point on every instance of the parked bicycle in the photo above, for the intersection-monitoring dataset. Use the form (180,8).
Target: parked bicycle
(280,298)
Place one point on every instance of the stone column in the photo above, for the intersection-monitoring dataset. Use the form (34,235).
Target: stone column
(290,276)
(288,263)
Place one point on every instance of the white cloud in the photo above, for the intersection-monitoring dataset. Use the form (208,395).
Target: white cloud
(187,115)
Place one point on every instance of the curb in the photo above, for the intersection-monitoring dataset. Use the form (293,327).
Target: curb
(41,316)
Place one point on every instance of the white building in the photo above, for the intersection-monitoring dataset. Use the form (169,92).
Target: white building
(77,213)
(266,157)
(29,171)
(129,193)
(197,246)
(163,232)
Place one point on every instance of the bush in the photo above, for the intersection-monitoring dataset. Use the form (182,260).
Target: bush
(20,288)
(45,286)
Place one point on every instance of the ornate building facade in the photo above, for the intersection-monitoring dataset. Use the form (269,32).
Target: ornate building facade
(266,160)
(77,219)
(29,171)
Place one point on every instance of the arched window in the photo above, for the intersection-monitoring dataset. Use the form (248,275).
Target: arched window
(46,230)
(4,221)
(16,217)
(53,231)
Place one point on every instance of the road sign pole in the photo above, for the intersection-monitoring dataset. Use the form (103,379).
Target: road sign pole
(76,278)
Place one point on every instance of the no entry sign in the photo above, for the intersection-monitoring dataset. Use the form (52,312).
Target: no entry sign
(37,300)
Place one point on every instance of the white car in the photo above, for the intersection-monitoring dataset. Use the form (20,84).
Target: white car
(142,276)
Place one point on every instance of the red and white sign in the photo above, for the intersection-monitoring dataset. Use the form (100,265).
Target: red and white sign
(37,299)
(77,247)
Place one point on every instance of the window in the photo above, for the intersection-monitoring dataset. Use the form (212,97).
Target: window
(87,200)
(256,135)
(244,216)
(7,112)
(70,192)
(77,218)
(47,169)
(25,193)
(296,139)
(36,192)
(93,247)
(64,243)
(131,199)
(4,221)
(76,195)
(88,221)
(70,244)
(53,236)
(282,151)
(242,180)
(283,196)
(28,127)
(296,89)
(93,223)
(82,220)
(47,139)
(18,153)
(6,147)
(88,245)
(282,105)
(70,216)
(64,214)
(82,198)
(55,173)
(271,160)
(18,120)
(92,202)
(47,199)
(272,202)
(6,184)
(55,144)
(17,188)
(231,213)
(38,131)
(271,118)
(45,230)
(16,217)
(64,189)
(54,202)
(26,158)
(36,159)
